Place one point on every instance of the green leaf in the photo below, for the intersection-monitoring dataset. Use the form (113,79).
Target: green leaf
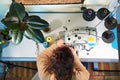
(35,35)
(17,36)
(17,10)
(36,22)
(4,43)
(26,35)
(7,15)
(5,34)
(11,22)
(1,37)
(0,51)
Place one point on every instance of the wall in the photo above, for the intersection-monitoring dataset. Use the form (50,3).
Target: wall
(4,6)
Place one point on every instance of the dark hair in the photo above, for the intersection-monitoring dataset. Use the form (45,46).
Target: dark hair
(61,63)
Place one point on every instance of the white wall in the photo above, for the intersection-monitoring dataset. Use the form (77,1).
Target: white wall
(4,6)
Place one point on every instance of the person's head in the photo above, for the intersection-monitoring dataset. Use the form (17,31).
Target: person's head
(61,63)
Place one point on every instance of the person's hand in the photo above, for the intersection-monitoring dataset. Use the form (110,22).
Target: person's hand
(60,42)
(73,51)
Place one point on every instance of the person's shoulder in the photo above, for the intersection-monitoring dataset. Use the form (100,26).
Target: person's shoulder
(81,74)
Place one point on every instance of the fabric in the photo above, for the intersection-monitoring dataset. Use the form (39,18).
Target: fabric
(80,72)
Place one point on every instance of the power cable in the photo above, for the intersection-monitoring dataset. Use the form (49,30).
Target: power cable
(14,65)
(10,65)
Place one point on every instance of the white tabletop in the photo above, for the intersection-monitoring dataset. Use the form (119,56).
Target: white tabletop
(26,51)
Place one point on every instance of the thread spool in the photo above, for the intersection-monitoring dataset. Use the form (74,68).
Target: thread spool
(102,13)
(89,14)
(49,40)
(110,23)
(108,36)
(45,44)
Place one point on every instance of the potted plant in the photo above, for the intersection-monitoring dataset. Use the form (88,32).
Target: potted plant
(19,23)
(4,38)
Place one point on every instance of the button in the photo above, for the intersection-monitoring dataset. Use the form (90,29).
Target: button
(79,37)
(75,35)
(90,39)
(68,38)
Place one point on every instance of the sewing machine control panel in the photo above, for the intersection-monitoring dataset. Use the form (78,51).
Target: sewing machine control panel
(84,38)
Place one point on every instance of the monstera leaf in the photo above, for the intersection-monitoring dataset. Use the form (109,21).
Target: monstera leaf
(17,36)
(36,22)
(35,35)
(17,10)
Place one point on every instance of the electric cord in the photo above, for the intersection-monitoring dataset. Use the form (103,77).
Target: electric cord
(14,65)
(8,72)
(10,65)
(37,49)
